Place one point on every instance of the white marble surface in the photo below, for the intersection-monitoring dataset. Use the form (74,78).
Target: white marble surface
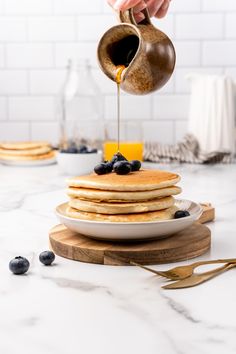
(75,308)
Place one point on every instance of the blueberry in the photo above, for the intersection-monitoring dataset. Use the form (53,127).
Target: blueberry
(181,214)
(47,257)
(135,165)
(122,167)
(19,265)
(82,149)
(70,150)
(101,169)
(109,166)
(117,157)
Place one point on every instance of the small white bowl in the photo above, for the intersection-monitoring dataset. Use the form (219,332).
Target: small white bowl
(78,164)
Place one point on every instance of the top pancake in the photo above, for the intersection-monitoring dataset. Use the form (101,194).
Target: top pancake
(142,180)
(27,145)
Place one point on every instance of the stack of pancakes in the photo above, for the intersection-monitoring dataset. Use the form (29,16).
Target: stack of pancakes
(26,151)
(142,196)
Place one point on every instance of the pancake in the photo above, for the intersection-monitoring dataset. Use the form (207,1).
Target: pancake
(46,156)
(142,180)
(159,215)
(122,208)
(27,145)
(29,152)
(97,195)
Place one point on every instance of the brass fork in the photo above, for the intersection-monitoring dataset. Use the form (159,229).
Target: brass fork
(183,272)
(199,278)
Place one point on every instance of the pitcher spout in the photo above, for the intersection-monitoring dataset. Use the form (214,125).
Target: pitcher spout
(118,46)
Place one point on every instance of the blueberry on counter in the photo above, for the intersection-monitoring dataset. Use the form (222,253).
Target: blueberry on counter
(117,157)
(135,165)
(101,169)
(47,257)
(181,214)
(122,167)
(19,265)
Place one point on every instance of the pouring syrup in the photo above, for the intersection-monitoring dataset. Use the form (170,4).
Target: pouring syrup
(119,71)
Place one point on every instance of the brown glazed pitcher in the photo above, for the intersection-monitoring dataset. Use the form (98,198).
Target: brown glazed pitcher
(147,53)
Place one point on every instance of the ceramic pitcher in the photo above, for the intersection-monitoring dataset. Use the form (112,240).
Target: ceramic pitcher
(147,53)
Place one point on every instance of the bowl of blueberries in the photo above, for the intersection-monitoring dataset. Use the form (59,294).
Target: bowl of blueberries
(78,159)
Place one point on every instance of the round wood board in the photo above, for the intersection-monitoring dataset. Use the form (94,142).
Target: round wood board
(189,243)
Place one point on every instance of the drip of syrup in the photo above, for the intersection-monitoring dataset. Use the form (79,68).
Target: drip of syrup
(118,79)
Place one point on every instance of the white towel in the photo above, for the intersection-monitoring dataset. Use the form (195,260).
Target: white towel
(212,113)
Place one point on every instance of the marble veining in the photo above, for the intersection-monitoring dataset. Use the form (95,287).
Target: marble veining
(83,308)
(179,309)
(77,285)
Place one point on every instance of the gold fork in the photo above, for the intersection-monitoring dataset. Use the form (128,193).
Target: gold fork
(183,272)
(199,278)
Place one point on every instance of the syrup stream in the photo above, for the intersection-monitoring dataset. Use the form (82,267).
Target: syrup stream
(118,79)
(118,117)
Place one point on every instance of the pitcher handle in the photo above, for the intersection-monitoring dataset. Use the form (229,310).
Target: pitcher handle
(128,17)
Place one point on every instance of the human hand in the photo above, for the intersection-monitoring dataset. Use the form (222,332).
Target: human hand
(157,8)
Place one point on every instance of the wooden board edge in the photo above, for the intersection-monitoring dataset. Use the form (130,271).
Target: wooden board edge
(208,213)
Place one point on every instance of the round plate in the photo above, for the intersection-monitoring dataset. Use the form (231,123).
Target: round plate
(118,231)
(32,163)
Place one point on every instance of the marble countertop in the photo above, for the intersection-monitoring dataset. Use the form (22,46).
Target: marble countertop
(74,307)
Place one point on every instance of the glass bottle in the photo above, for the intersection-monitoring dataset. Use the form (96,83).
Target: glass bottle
(81,107)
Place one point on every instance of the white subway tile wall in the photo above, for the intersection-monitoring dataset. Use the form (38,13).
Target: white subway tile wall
(161,131)
(31,108)
(3,108)
(131,107)
(13,82)
(2,56)
(199,26)
(37,37)
(29,55)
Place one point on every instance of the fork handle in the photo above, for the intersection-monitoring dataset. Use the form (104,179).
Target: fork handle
(146,268)
(213,261)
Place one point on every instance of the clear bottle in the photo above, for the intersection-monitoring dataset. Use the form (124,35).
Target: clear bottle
(81,107)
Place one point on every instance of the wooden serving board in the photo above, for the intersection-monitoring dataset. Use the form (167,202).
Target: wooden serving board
(208,213)
(189,243)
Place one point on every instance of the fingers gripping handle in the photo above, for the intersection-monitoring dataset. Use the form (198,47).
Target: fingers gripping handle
(128,17)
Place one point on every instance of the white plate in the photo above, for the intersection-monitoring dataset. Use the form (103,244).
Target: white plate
(118,231)
(31,163)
